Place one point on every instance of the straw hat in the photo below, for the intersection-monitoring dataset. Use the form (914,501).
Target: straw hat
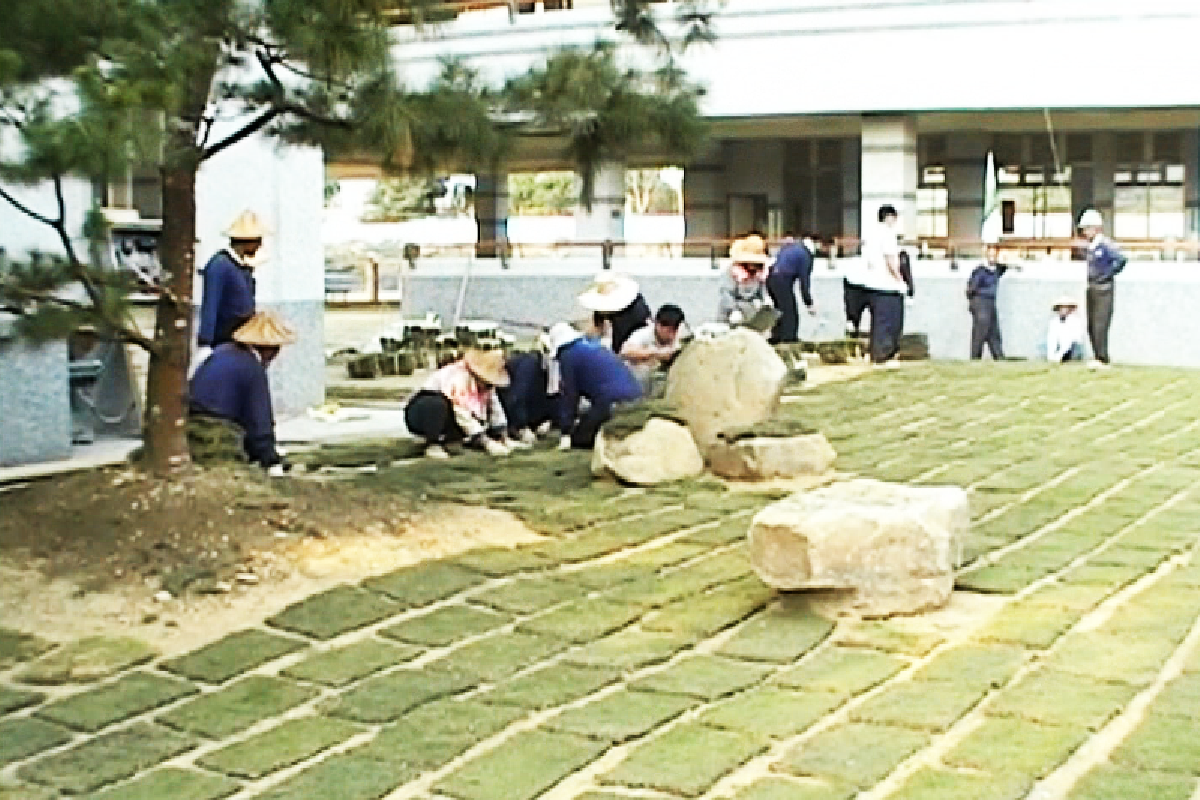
(265,329)
(749,250)
(1064,302)
(561,334)
(1090,219)
(247,226)
(609,292)
(487,366)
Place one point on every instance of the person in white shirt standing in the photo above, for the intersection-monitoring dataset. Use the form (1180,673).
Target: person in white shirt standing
(881,276)
(1064,337)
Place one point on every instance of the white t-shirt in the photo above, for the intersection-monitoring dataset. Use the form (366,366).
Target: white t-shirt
(873,273)
(1062,334)
(644,339)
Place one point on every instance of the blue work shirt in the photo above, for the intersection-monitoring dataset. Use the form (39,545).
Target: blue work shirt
(589,369)
(1104,260)
(228,299)
(232,384)
(984,282)
(795,263)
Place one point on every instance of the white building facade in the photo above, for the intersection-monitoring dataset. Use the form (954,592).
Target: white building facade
(822,112)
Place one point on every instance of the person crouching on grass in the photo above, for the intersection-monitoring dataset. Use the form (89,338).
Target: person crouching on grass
(459,403)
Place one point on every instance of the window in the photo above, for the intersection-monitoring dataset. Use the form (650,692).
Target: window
(1034,186)
(933,197)
(1148,200)
(1040,202)
(933,204)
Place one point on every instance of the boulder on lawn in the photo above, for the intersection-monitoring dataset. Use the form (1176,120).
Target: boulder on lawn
(895,546)
(660,452)
(716,384)
(753,458)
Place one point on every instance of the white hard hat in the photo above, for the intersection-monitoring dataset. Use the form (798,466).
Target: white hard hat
(1091,219)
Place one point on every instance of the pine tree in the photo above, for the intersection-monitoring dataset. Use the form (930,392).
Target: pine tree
(91,86)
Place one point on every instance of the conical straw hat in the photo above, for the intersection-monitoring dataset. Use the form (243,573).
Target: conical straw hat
(487,366)
(265,329)
(247,226)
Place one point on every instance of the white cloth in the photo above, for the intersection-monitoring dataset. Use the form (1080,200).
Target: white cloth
(883,242)
(1062,335)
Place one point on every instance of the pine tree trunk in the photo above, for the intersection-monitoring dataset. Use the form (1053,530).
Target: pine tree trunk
(166,384)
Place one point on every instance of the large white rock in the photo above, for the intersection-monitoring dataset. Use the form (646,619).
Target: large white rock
(765,457)
(727,382)
(896,546)
(661,452)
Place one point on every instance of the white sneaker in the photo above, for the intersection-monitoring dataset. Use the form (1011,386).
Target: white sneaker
(436,451)
(495,448)
(1097,364)
(519,444)
(527,437)
(544,428)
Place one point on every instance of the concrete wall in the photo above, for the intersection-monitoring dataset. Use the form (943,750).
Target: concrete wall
(34,400)
(1155,301)
(284,185)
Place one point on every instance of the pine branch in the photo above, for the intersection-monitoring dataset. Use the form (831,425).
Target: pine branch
(19,206)
(251,128)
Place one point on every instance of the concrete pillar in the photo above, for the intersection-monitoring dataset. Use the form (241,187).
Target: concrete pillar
(889,169)
(491,213)
(1191,183)
(966,163)
(1103,166)
(852,188)
(705,213)
(605,220)
(285,186)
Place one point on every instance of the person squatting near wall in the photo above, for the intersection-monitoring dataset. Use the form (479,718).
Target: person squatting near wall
(231,384)
(1064,334)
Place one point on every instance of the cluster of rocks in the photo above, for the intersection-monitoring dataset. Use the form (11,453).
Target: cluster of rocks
(888,548)
(721,393)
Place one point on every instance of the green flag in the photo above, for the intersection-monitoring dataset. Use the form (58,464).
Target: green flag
(991,204)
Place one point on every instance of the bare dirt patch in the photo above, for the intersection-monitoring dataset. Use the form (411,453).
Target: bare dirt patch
(92,553)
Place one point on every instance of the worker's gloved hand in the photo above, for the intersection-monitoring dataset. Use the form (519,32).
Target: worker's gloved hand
(736,317)
(495,448)
(564,443)
(202,354)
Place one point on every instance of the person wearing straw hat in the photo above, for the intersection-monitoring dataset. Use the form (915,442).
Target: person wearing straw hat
(588,370)
(617,306)
(228,299)
(1104,261)
(460,403)
(232,384)
(1064,336)
(743,290)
